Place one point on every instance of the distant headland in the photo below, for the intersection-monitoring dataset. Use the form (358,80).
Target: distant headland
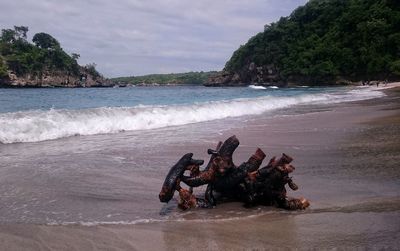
(188,78)
(42,63)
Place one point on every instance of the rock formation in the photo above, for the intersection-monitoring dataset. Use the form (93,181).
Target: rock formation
(55,79)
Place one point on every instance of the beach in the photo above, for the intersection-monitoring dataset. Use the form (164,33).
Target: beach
(346,156)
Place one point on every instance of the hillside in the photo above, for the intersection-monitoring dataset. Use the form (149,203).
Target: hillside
(41,64)
(323,42)
(191,78)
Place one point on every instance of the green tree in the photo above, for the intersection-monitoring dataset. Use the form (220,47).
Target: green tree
(8,36)
(21,31)
(45,41)
(395,67)
(75,56)
(45,55)
(326,39)
(3,69)
(91,69)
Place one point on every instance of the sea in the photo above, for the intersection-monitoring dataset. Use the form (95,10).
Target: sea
(34,115)
(93,156)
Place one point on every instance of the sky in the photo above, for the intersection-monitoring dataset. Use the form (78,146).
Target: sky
(137,37)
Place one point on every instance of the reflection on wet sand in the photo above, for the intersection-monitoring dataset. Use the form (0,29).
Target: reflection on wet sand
(257,233)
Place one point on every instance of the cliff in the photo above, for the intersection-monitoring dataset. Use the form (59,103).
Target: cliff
(323,42)
(43,63)
(55,79)
(265,75)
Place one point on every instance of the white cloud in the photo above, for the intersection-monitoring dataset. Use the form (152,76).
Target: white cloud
(134,37)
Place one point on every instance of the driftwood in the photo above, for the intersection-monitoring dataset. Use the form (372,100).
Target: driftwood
(170,183)
(247,182)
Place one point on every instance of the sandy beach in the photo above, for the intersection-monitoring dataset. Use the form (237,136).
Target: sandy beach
(347,159)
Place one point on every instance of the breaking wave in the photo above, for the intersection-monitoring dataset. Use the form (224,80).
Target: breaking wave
(257,87)
(38,125)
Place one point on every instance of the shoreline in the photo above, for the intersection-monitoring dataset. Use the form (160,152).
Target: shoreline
(351,211)
(116,85)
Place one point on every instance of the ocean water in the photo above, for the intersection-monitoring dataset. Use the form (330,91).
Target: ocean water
(33,115)
(99,156)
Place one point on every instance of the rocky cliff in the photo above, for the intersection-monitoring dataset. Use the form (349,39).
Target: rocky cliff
(55,79)
(321,43)
(263,75)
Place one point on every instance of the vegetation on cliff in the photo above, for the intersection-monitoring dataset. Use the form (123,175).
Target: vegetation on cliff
(43,61)
(194,78)
(325,41)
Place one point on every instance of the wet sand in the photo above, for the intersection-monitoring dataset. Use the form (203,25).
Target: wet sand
(347,160)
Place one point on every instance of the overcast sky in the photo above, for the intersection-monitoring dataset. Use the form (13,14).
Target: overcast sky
(136,37)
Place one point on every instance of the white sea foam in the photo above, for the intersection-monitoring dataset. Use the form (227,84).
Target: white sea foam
(97,223)
(150,220)
(34,126)
(257,87)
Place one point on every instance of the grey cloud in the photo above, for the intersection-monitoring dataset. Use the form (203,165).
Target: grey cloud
(134,37)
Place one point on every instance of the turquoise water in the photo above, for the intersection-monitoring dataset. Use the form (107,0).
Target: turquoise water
(33,115)
(13,100)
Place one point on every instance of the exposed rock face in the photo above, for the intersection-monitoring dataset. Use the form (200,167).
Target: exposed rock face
(55,79)
(252,74)
(224,78)
(268,75)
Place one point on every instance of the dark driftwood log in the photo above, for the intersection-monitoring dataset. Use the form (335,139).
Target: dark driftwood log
(209,196)
(293,203)
(247,182)
(213,153)
(255,161)
(203,178)
(170,183)
(220,161)
(273,163)
(187,199)
(269,187)
(236,175)
(228,147)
